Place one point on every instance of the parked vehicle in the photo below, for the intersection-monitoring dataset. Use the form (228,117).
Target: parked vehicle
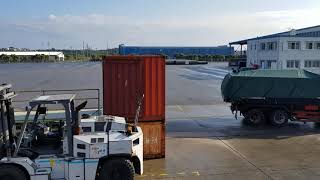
(276,96)
(96,147)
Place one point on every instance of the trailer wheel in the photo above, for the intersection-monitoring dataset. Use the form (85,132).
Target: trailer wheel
(117,169)
(254,117)
(279,118)
(10,172)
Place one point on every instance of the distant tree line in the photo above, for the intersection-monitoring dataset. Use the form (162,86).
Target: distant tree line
(70,55)
(213,58)
(88,55)
(20,59)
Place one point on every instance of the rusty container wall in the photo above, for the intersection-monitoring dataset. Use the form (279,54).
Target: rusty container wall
(126,78)
(153,139)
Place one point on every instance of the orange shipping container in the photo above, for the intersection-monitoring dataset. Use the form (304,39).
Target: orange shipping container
(126,78)
(153,139)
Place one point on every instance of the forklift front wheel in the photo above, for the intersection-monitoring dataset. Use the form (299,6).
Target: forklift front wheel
(11,172)
(117,168)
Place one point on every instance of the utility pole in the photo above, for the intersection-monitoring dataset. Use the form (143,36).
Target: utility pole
(83,53)
(87,50)
(107,48)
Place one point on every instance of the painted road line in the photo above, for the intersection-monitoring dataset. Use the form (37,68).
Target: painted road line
(206,74)
(163,174)
(196,173)
(180,108)
(166,175)
(216,69)
(181,173)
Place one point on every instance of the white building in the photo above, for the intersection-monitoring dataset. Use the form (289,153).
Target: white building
(53,56)
(295,49)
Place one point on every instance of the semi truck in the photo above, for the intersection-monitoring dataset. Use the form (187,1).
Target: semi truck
(89,147)
(274,96)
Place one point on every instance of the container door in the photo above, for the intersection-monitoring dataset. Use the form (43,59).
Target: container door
(153,139)
(122,85)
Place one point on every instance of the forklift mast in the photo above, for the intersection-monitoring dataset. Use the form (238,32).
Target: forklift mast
(7,121)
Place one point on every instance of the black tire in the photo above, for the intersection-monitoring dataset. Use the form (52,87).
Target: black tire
(254,117)
(317,124)
(279,118)
(11,172)
(117,169)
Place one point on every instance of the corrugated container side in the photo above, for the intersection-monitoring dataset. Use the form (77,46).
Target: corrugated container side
(126,78)
(154,89)
(153,139)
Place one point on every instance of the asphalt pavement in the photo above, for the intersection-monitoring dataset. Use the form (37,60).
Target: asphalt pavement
(204,140)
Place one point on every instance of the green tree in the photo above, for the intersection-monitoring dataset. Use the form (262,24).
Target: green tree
(14,58)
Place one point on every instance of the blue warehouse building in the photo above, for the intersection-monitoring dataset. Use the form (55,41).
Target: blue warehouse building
(172,51)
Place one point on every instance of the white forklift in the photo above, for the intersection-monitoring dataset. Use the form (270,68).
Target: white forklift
(98,147)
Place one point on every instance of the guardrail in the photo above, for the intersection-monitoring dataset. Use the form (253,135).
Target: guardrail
(93,97)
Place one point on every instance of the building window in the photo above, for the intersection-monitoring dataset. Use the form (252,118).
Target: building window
(309,45)
(293,64)
(268,64)
(317,45)
(316,64)
(307,64)
(294,45)
(312,63)
(272,45)
(263,46)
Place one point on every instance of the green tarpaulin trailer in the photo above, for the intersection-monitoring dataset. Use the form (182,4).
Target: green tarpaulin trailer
(274,95)
(270,84)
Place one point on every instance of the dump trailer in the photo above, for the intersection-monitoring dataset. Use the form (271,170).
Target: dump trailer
(89,147)
(276,96)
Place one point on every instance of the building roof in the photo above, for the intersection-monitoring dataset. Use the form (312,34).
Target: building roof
(313,31)
(174,47)
(32,53)
(288,73)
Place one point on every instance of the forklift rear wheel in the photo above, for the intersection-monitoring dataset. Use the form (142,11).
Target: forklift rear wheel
(279,118)
(10,172)
(254,117)
(118,168)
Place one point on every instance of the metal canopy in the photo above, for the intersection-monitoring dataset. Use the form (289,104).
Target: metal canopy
(52,99)
(67,100)
(243,42)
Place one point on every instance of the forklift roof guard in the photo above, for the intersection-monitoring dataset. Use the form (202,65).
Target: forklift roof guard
(52,99)
(67,100)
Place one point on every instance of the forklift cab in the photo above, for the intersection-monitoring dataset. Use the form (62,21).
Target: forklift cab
(71,116)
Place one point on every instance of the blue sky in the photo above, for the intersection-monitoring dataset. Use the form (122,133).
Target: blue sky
(102,23)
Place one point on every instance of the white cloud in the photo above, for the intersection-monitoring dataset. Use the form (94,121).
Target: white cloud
(97,29)
(52,17)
